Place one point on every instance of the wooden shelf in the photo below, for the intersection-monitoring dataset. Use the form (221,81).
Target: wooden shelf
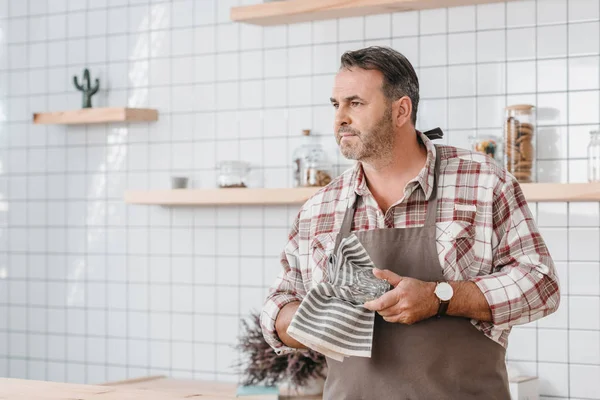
(543,192)
(96,115)
(230,196)
(534,192)
(292,11)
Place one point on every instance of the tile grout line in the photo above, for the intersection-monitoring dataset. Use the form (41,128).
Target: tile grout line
(27,180)
(568,205)
(217,209)
(126,217)
(193,224)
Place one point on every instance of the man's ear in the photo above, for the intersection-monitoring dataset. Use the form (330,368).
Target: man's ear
(402,111)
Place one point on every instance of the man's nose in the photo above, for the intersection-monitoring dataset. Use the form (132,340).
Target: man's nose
(342,118)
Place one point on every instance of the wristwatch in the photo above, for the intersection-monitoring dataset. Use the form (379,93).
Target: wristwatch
(444,293)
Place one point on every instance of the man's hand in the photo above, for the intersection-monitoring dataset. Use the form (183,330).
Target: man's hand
(409,302)
(413,300)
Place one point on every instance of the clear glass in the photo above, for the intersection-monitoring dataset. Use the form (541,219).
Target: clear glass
(310,165)
(593,157)
(487,144)
(233,174)
(315,173)
(366,287)
(519,142)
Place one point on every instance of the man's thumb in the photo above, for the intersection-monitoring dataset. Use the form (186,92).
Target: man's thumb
(392,278)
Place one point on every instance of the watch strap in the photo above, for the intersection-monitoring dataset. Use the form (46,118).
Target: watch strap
(443,308)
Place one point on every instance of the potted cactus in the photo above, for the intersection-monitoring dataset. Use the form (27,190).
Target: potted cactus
(86,89)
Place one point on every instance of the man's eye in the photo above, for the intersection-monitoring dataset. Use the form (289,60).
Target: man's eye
(335,105)
(355,104)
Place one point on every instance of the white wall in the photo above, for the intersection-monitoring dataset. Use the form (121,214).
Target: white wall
(95,290)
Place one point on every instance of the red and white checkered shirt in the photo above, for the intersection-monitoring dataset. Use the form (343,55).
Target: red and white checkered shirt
(485,233)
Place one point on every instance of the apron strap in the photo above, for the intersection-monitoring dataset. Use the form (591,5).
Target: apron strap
(433,200)
(346,223)
(433,134)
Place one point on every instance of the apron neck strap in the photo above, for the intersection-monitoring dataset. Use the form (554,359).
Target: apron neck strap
(433,134)
(433,200)
(431,204)
(346,223)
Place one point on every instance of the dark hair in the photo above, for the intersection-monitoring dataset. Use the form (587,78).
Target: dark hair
(399,76)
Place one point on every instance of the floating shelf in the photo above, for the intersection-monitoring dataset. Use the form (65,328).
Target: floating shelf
(292,11)
(544,192)
(96,115)
(229,196)
(534,192)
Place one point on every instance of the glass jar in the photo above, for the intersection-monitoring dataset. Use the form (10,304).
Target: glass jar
(233,174)
(593,157)
(486,144)
(309,163)
(315,173)
(519,142)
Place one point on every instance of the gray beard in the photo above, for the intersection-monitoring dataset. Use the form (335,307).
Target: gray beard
(375,146)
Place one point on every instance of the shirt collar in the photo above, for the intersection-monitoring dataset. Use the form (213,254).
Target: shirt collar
(425,177)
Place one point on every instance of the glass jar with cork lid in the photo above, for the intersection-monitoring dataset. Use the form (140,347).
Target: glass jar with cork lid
(309,163)
(519,142)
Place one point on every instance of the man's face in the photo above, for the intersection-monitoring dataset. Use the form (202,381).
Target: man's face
(363,116)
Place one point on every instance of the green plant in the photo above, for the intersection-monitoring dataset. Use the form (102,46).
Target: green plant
(261,365)
(86,88)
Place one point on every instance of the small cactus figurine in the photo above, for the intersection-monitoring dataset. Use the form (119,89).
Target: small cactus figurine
(86,88)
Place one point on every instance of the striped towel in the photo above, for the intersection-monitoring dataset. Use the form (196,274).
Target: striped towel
(331,318)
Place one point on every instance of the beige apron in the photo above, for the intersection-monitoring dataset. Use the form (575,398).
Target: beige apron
(438,358)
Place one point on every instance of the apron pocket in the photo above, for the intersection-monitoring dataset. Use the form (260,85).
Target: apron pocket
(457,240)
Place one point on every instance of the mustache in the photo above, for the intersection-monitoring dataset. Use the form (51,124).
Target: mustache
(347,129)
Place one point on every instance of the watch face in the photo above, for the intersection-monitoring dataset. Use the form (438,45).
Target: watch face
(444,291)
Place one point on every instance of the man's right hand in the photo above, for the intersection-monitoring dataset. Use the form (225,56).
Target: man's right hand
(284,318)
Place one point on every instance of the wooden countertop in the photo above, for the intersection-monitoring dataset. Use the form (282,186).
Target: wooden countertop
(150,388)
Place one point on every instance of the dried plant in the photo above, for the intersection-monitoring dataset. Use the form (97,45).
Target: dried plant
(261,365)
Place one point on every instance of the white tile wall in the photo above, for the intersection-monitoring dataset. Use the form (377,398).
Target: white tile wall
(96,290)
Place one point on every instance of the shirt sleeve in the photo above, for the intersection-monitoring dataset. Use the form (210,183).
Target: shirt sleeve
(287,288)
(524,284)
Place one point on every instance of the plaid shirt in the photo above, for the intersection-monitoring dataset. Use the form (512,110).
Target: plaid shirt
(485,234)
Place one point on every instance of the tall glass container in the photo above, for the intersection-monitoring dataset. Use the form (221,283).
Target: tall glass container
(519,142)
(593,157)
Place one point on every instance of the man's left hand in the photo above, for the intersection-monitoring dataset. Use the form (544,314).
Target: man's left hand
(409,302)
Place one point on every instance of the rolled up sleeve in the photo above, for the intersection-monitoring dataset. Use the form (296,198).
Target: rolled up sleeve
(288,287)
(524,285)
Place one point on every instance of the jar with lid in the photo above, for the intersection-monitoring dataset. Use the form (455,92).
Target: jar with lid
(309,163)
(519,142)
(593,157)
(233,174)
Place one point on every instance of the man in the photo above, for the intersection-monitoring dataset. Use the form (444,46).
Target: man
(450,230)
